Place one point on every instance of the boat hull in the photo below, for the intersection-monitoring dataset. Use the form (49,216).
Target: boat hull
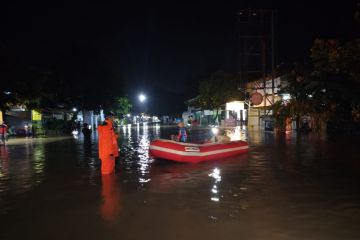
(193,153)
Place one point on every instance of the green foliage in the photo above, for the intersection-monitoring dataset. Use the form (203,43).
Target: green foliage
(122,106)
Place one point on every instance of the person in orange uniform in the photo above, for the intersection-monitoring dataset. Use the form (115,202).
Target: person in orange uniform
(108,147)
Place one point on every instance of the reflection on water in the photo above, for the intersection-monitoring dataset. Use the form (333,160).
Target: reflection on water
(135,152)
(143,154)
(110,190)
(215,191)
(21,167)
(4,168)
(287,187)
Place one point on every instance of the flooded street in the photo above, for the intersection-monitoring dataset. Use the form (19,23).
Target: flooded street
(286,187)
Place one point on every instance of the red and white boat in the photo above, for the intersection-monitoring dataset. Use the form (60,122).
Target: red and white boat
(193,153)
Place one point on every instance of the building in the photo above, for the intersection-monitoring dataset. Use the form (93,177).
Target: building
(263,94)
(229,114)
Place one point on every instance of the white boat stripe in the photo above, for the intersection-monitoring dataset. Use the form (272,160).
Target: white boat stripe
(192,144)
(197,154)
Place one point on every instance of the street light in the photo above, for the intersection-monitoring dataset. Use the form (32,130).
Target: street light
(142,97)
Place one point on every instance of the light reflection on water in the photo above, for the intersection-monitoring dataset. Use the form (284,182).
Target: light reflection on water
(135,152)
(285,185)
(143,154)
(22,167)
(4,168)
(215,191)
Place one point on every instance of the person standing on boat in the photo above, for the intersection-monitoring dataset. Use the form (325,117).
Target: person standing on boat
(182,136)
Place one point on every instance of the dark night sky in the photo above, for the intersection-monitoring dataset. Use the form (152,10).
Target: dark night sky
(161,49)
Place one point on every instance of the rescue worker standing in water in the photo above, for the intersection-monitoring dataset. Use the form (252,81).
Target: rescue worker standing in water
(108,147)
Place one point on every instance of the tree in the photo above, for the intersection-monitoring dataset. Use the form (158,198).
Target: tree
(80,78)
(87,81)
(122,106)
(300,85)
(327,89)
(216,90)
(336,67)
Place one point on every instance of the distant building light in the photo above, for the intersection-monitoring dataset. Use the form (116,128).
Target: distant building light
(286,97)
(74,109)
(7,93)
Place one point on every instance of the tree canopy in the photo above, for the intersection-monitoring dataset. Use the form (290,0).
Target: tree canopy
(327,87)
(79,79)
(216,90)
(122,106)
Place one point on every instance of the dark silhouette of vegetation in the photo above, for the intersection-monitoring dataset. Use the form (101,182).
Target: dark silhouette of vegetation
(80,78)
(327,88)
(216,90)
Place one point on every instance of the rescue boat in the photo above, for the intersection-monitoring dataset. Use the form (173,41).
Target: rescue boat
(193,153)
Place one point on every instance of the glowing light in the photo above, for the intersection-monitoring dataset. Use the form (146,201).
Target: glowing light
(74,109)
(236,134)
(215,130)
(142,97)
(235,106)
(75,134)
(286,96)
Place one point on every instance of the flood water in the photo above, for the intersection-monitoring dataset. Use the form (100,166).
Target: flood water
(286,187)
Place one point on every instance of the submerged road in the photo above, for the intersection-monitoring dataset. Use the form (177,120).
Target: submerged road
(286,187)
